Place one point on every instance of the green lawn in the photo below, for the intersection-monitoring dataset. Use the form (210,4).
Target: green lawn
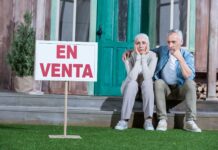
(35,137)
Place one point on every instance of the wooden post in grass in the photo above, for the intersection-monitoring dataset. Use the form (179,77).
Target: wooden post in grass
(65,119)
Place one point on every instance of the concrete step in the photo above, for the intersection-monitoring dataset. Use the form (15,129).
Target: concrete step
(207,114)
(202,106)
(49,109)
(90,111)
(50,100)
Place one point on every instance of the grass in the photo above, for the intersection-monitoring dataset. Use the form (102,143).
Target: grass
(35,137)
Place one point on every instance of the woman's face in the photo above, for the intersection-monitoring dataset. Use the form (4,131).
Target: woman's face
(140,45)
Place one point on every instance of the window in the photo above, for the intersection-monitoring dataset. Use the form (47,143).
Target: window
(172,14)
(122,20)
(82,20)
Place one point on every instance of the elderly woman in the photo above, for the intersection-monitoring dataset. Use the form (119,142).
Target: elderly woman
(140,67)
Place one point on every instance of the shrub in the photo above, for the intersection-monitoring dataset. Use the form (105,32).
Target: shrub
(21,53)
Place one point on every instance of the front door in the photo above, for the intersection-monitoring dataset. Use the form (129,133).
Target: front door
(118,22)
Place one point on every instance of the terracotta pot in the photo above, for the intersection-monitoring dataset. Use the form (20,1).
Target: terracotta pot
(23,84)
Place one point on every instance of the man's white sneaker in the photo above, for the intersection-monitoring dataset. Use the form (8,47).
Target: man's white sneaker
(148,125)
(191,126)
(162,125)
(121,125)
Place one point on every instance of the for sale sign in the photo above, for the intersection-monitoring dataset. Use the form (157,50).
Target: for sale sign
(66,61)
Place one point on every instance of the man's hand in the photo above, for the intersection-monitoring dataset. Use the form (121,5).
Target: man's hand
(125,55)
(186,71)
(177,54)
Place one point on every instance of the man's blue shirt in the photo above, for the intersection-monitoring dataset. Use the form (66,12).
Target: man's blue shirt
(163,56)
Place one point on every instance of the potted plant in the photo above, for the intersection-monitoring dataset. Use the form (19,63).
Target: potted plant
(21,55)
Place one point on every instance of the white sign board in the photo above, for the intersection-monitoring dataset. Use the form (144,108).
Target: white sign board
(66,61)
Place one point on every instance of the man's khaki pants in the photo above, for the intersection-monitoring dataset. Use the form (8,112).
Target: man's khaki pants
(186,92)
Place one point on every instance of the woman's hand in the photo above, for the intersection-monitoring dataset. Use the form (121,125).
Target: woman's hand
(141,51)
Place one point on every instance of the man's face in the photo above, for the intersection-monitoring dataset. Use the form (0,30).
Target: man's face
(174,42)
(140,45)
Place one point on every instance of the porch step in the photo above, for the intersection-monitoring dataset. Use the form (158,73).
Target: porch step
(85,102)
(207,114)
(202,107)
(49,109)
(89,111)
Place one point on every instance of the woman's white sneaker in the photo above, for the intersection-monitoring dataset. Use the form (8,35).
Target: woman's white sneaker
(148,125)
(121,125)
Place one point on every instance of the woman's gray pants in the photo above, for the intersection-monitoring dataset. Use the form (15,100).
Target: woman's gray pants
(129,95)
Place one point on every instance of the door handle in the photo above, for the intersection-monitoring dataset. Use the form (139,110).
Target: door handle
(99,31)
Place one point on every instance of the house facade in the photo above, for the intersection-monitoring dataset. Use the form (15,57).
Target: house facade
(113,24)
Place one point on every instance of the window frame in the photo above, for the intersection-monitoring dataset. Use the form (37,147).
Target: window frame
(188,20)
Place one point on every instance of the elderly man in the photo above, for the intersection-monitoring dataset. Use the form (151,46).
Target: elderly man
(174,76)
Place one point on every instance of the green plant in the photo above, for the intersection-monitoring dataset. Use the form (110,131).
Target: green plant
(21,54)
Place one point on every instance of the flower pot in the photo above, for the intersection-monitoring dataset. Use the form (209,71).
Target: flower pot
(23,84)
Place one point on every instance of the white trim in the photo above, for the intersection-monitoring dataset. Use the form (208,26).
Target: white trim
(57,19)
(93,18)
(74,20)
(171,13)
(54,24)
(92,36)
(188,22)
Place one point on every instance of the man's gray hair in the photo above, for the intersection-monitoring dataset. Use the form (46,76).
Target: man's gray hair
(176,31)
(145,37)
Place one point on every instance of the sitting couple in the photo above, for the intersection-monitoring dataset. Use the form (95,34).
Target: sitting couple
(172,69)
